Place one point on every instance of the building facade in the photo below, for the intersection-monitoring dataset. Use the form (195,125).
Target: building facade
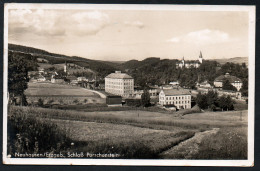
(236,82)
(181,98)
(120,84)
(138,93)
(189,64)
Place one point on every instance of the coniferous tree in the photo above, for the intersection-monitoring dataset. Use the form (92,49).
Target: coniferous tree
(145,98)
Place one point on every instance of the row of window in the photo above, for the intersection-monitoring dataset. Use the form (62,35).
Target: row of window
(176,98)
(118,91)
(120,83)
(119,87)
(177,102)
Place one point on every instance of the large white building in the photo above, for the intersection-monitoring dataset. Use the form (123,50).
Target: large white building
(189,64)
(120,84)
(236,82)
(181,98)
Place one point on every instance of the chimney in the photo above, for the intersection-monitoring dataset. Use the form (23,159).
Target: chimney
(118,72)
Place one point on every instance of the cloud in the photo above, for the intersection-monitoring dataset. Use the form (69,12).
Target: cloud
(174,39)
(57,23)
(89,22)
(138,24)
(202,37)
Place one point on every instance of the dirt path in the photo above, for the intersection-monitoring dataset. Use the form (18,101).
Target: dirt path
(102,95)
(187,149)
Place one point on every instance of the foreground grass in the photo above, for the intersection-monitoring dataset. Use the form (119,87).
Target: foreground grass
(139,118)
(229,143)
(128,141)
(131,134)
(39,135)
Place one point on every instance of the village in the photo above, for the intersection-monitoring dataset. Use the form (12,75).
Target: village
(85,84)
(119,88)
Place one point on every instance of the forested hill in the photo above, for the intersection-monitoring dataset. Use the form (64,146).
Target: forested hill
(102,68)
(31,50)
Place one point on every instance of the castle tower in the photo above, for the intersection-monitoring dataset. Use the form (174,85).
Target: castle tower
(200,58)
(65,67)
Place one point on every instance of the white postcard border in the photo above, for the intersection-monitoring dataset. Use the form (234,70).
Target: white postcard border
(139,162)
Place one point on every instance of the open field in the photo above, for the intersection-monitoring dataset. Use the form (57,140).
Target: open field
(61,94)
(145,134)
(49,89)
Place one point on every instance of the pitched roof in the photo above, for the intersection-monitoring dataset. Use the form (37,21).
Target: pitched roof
(230,78)
(173,92)
(119,76)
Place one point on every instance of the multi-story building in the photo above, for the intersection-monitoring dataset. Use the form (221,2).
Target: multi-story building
(120,84)
(236,82)
(189,64)
(181,98)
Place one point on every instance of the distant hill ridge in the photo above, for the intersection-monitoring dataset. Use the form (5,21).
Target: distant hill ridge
(103,68)
(238,60)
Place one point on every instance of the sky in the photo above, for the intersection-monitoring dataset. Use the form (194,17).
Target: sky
(115,35)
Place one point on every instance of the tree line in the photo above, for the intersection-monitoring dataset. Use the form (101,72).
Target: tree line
(212,101)
(18,66)
(153,71)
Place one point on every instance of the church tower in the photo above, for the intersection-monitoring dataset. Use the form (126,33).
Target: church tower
(200,58)
(65,67)
(183,61)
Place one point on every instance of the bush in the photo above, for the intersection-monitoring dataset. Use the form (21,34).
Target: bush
(76,101)
(61,101)
(50,101)
(40,102)
(27,134)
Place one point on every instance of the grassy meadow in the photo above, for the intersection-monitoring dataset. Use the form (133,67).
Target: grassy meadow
(49,89)
(132,134)
(60,94)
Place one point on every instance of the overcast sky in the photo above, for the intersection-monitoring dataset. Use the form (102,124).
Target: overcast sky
(125,35)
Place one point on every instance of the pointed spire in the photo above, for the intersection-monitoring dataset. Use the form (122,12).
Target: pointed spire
(200,55)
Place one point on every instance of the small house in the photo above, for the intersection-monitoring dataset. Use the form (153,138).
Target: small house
(82,79)
(57,80)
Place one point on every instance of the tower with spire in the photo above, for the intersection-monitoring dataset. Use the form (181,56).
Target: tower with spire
(200,58)
(65,67)
(189,64)
(183,61)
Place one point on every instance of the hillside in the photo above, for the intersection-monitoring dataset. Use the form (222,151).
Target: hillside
(102,68)
(150,71)
(237,60)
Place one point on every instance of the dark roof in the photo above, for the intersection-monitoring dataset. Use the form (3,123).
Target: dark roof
(114,97)
(58,77)
(119,76)
(230,78)
(169,105)
(173,92)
